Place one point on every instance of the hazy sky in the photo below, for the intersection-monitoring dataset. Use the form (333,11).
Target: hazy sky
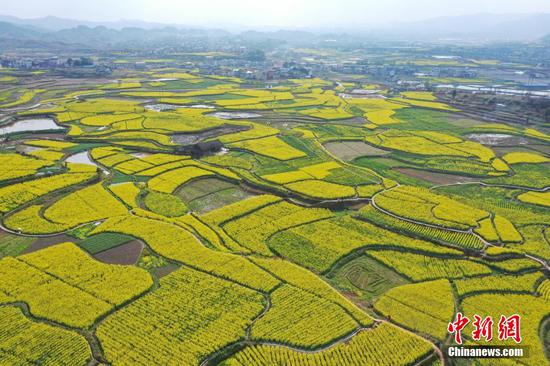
(287,13)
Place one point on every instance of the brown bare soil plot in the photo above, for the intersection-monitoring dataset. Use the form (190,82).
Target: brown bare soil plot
(349,150)
(126,254)
(436,178)
(48,241)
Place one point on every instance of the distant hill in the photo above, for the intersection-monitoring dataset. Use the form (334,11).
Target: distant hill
(9,30)
(96,37)
(51,23)
(480,26)
(74,34)
(485,25)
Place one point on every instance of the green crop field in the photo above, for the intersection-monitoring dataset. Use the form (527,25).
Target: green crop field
(101,242)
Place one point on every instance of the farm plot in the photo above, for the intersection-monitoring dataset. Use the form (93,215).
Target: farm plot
(181,120)
(319,245)
(461,166)
(317,171)
(85,205)
(63,284)
(98,243)
(426,307)
(126,192)
(252,131)
(383,345)
(424,206)
(207,194)
(30,220)
(38,343)
(176,243)
(499,201)
(13,245)
(299,318)
(16,166)
(238,209)
(537,198)
(335,179)
(26,97)
(299,277)
(125,254)
(365,278)
(252,230)
(434,177)
(131,125)
(418,267)
(455,238)
(532,311)
(168,177)
(16,195)
(168,182)
(88,204)
(320,189)
(500,229)
(109,119)
(350,150)
(379,112)
(498,284)
(425,103)
(524,157)
(202,314)
(271,146)
(420,96)
(525,175)
(430,143)
(165,204)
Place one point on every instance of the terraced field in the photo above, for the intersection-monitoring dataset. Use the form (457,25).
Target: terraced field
(296,234)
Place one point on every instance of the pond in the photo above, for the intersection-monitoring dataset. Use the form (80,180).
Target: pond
(496,89)
(80,158)
(193,138)
(28,149)
(160,107)
(234,115)
(497,139)
(30,125)
(140,155)
(202,106)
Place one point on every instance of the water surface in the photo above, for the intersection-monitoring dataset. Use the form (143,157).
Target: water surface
(80,158)
(497,139)
(30,125)
(234,115)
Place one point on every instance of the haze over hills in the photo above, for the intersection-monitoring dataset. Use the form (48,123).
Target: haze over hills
(52,23)
(48,31)
(489,26)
